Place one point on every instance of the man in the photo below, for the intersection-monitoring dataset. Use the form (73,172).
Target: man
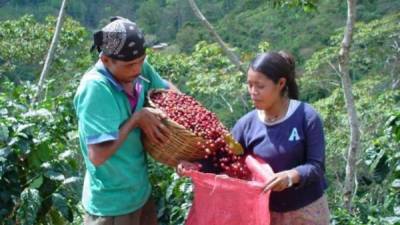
(109,106)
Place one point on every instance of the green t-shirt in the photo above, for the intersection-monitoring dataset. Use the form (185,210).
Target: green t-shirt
(120,185)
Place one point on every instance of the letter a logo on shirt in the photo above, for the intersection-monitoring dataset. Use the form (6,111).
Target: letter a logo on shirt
(295,135)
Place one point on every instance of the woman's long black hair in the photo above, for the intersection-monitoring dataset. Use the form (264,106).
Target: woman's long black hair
(276,65)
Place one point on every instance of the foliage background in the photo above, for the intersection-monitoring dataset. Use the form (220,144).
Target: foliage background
(40,163)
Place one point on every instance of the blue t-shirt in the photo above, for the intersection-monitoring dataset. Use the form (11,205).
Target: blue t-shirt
(295,142)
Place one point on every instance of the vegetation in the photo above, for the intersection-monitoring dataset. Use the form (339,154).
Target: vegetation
(40,162)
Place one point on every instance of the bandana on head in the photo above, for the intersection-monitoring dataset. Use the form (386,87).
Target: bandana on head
(121,39)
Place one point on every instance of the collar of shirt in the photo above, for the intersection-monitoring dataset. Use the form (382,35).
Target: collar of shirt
(136,89)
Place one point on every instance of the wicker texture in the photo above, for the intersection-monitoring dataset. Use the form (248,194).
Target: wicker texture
(181,145)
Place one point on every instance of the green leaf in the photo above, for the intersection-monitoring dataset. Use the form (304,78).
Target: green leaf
(30,205)
(43,113)
(54,175)
(60,203)
(22,127)
(56,218)
(396,184)
(13,141)
(73,135)
(37,182)
(41,153)
(24,145)
(392,220)
(170,190)
(3,112)
(396,210)
(161,208)
(4,133)
(65,155)
(72,180)
(4,152)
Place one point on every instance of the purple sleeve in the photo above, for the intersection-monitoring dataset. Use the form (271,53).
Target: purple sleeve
(314,167)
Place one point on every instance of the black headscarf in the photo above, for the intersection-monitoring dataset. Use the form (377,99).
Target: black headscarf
(121,39)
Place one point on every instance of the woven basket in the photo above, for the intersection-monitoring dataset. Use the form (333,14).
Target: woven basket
(181,145)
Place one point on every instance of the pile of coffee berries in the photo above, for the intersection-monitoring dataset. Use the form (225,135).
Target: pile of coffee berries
(189,113)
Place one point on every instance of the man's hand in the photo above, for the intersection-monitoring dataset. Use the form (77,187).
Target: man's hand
(150,121)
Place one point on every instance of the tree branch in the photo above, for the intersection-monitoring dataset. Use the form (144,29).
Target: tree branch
(50,54)
(231,55)
(344,59)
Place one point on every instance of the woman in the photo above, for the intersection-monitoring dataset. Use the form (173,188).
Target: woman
(287,134)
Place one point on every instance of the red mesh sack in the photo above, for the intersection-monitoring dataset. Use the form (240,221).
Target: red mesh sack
(221,200)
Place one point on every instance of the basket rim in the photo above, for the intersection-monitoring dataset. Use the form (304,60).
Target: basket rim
(168,120)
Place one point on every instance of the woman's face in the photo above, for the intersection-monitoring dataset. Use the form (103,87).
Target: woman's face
(263,91)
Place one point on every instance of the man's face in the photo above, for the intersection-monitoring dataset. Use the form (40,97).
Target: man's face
(124,71)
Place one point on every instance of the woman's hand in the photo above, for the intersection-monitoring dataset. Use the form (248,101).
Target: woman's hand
(282,180)
(185,166)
